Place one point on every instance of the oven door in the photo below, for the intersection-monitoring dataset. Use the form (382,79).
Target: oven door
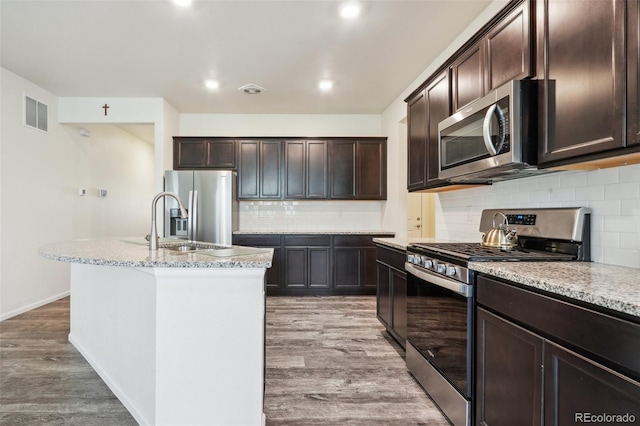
(440,325)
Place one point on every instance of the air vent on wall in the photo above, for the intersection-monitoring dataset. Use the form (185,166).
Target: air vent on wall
(36,114)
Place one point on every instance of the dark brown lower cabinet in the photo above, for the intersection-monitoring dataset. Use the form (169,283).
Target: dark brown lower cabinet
(578,390)
(354,264)
(541,360)
(509,373)
(307,262)
(318,264)
(391,296)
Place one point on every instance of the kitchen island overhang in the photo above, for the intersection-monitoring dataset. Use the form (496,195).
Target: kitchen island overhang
(179,338)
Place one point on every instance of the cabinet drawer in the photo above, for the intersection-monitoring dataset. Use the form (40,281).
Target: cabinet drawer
(307,240)
(391,257)
(612,339)
(257,240)
(354,240)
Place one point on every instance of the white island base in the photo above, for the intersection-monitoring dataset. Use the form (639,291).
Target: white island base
(177,346)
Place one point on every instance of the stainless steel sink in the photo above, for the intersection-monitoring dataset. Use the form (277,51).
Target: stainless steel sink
(187,247)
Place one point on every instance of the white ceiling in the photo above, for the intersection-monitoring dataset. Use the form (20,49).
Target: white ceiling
(151,48)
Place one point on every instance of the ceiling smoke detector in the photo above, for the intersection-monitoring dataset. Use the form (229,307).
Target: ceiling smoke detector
(252,89)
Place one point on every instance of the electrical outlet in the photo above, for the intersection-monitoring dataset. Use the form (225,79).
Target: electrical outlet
(82,192)
(102,193)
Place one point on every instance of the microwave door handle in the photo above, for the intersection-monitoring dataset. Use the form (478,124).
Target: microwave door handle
(486,131)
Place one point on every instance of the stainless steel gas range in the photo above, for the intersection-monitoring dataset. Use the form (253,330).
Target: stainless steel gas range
(440,294)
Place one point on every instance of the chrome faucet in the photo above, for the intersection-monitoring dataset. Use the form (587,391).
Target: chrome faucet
(153,238)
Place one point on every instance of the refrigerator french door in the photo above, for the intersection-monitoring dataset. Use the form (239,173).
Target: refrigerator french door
(211,202)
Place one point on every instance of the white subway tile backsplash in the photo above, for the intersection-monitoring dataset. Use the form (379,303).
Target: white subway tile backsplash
(619,191)
(594,192)
(602,176)
(612,194)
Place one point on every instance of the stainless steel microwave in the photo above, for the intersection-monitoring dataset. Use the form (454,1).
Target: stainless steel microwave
(493,138)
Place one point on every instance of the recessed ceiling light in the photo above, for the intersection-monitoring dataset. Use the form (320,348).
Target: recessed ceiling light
(182,3)
(325,84)
(211,84)
(350,10)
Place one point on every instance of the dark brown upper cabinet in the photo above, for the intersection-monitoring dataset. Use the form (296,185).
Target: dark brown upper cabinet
(503,54)
(417,142)
(306,169)
(581,67)
(467,74)
(508,48)
(358,169)
(209,153)
(633,73)
(259,169)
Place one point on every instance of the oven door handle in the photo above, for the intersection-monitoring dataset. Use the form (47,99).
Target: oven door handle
(462,289)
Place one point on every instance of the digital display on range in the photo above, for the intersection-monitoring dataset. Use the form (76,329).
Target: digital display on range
(521,219)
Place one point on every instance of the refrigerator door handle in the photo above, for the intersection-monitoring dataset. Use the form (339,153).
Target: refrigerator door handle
(192,221)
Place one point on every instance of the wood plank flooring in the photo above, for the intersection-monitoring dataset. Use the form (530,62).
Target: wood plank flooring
(328,361)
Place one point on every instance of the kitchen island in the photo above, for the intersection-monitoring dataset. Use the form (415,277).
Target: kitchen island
(177,336)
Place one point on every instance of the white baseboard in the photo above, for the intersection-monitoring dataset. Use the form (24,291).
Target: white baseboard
(31,306)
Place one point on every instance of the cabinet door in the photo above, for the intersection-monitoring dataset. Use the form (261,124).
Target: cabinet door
(221,154)
(399,297)
(576,390)
(371,163)
(270,170)
(633,73)
(508,373)
(508,48)
(342,169)
(316,170)
(467,74)
(346,268)
(438,108)
(248,169)
(296,267)
(368,274)
(383,295)
(581,65)
(319,267)
(417,142)
(295,169)
(188,153)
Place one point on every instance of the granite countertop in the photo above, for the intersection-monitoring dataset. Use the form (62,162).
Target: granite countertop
(134,252)
(609,286)
(402,243)
(327,232)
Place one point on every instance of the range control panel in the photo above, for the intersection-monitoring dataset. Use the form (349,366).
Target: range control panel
(521,219)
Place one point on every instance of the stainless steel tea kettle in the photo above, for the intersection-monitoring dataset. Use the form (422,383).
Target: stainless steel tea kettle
(500,236)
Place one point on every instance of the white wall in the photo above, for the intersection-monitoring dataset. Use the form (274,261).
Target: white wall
(40,174)
(295,215)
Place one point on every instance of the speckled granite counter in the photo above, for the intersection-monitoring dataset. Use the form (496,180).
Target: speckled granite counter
(134,252)
(402,243)
(329,232)
(609,286)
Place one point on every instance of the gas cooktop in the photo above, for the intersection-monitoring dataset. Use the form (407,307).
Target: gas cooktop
(544,234)
(475,252)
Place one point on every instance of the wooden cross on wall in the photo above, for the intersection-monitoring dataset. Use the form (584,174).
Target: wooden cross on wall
(105,107)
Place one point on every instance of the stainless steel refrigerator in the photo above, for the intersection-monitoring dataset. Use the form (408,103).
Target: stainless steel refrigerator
(211,202)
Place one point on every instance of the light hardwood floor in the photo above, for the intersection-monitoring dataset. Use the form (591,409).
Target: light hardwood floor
(328,362)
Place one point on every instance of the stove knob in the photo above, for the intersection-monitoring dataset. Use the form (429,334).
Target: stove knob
(440,268)
(450,270)
(417,260)
(428,263)
(410,258)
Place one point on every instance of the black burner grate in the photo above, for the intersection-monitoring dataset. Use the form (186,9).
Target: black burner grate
(476,252)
